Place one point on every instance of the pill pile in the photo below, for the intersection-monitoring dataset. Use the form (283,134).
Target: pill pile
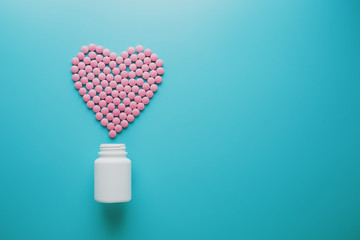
(116,88)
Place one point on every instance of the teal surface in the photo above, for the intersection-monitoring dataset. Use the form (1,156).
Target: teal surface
(253,134)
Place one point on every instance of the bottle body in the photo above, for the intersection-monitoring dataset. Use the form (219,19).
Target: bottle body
(112,179)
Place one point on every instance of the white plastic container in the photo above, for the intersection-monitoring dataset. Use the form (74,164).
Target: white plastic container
(112,174)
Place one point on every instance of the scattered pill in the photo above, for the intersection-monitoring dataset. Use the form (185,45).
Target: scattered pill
(112,134)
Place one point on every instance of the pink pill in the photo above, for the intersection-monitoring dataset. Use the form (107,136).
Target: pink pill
(102,95)
(138,63)
(159,63)
(109,99)
(132,82)
(78,85)
(99,58)
(118,128)
(122,67)
(152,66)
(84,80)
(140,106)
(145,67)
(92,55)
(135,112)
(147,60)
(116,101)
(142,92)
(112,64)
(146,75)
(104,83)
(122,94)
(106,60)
(116,120)
(124,123)
(102,76)
(146,86)
(90,76)
(88,69)
(90,104)
(96,71)
(121,107)
(89,86)
(109,116)
(108,90)
(139,48)
(114,93)
(131,95)
(75,61)
(149,94)
(86,97)
(74,69)
(81,65)
(118,78)
(133,57)
(113,56)
(92,47)
(104,110)
(111,106)
(124,74)
(119,60)
(133,104)
(153,57)
(151,81)
(153,73)
(160,71)
(141,56)
(93,63)
(112,84)
(96,99)
(135,89)
(102,103)
(107,70)
(116,113)
(112,134)
(116,71)
(130,118)
(101,65)
(104,122)
(98,88)
(96,81)
(80,56)
(127,89)
(96,109)
(139,72)
(138,99)
(132,74)
(119,88)
(75,77)
(132,67)
(147,52)
(92,93)
(145,100)
(124,82)
(98,116)
(126,101)
(128,110)
(131,50)
(127,61)
(110,126)
(154,88)
(82,91)
(106,52)
(122,116)
(87,60)
(124,54)
(158,79)
(99,49)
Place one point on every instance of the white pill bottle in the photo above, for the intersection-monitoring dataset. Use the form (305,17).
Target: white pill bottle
(112,179)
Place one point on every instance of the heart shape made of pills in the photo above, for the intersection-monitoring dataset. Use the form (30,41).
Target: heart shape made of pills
(116,88)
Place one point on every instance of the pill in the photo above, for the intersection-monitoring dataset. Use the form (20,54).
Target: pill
(112,134)
(145,75)
(122,67)
(160,71)
(152,66)
(113,56)
(116,71)
(132,67)
(74,69)
(109,77)
(84,80)
(131,50)
(88,69)
(80,56)
(149,94)
(138,63)
(131,95)
(75,61)
(139,48)
(141,56)
(104,122)
(134,57)
(116,101)
(135,89)
(114,93)
(147,60)
(75,77)
(145,67)
(132,82)
(96,99)
(104,110)
(98,116)
(130,118)
(92,55)
(81,65)
(106,60)
(93,63)
(116,113)
(158,79)
(153,57)
(153,73)
(87,60)
(147,52)
(131,74)
(122,94)
(126,101)
(99,49)
(109,99)
(159,62)
(99,58)
(124,123)
(146,86)
(151,81)
(78,85)
(110,126)
(124,54)
(86,97)
(96,71)
(124,74)
(138,99)
(82,91)
(118,128)
(140,106)
(142,92)
(121,107)
(111,106)
(113,84)
(128,110)
(90,104)
(89,86)
(135,112)
(139,72)
(106,52)
(133,104)
(109,116)
(145,100)
(122,116)
(98,88)
(90,76)
(119,60)
(124,82)
(102,95)
(102,103)
(92,93)
(96,109)
(104,83)
(154,88)
(116,120)
(119,88)
(127,61)
(101,65)
(108,90)
(112,64)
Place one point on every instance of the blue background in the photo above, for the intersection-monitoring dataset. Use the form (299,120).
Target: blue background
(253,134)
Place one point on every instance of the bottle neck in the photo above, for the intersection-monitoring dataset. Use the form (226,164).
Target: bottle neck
(112,150)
